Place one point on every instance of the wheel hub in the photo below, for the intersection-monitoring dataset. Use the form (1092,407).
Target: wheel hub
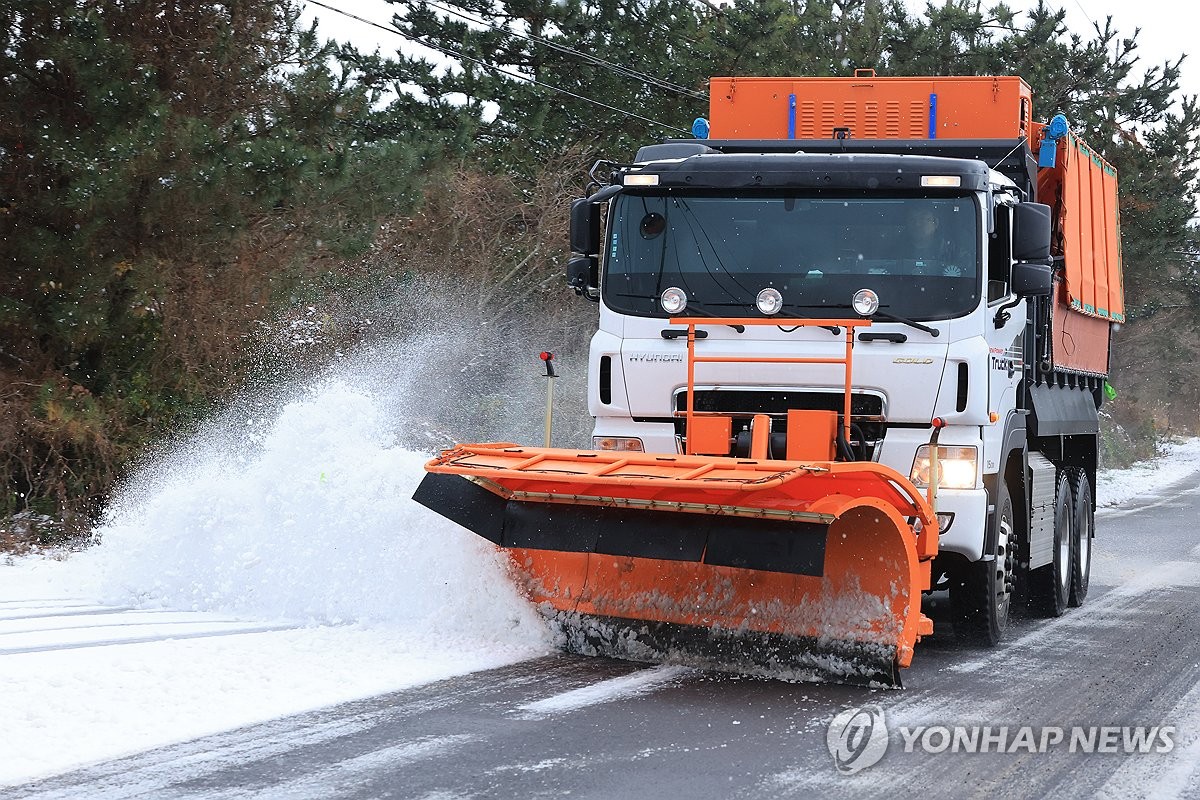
(1006,562)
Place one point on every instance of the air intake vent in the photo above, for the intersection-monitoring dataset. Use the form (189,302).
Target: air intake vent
(606,380)
(962,387)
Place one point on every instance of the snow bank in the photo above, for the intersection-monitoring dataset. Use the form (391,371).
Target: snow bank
(1176,461)
(90,685)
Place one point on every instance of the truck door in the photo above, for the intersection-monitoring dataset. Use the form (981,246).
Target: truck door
(1005,327)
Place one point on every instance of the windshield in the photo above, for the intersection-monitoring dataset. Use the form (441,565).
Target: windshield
(920,254)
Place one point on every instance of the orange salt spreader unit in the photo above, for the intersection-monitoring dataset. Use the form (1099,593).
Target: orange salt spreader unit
(806,566)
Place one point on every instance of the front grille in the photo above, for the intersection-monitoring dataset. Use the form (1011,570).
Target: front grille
(867,418)
(747,402)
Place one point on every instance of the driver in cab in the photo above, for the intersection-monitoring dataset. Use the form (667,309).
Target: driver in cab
(932,250)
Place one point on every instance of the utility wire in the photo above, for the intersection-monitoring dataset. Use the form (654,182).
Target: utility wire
(455,54)
(1087,15)
(617,68)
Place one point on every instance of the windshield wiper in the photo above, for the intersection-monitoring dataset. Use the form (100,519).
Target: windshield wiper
(701,313)
(934,332)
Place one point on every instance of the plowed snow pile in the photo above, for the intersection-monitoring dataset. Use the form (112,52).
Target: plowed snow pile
(310,520)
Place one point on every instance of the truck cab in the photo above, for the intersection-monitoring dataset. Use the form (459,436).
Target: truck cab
(706,235)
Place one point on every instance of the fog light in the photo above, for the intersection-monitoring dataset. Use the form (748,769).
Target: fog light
(627,444)
(956,467)
(865,302)
(769,301)
(673,300)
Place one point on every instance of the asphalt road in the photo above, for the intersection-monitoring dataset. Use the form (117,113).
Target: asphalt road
(580,727)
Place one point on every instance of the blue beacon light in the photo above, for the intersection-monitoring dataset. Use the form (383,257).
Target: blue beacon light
(1048,152)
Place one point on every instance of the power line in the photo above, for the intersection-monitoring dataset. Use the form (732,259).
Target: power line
(617,68)
(1087,15)
(455,54)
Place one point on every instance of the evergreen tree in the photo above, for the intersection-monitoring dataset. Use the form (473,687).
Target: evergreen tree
(162,166)
(521,82)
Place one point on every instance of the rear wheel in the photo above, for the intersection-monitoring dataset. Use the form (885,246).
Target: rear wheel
(1084,512)
(1051,584)
(981,591)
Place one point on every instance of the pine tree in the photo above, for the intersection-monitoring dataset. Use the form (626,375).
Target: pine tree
(164,168)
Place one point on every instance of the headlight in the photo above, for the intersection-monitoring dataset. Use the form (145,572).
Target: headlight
(957,467)
(628,444)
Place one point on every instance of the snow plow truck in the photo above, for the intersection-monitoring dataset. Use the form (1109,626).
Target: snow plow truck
(853,339)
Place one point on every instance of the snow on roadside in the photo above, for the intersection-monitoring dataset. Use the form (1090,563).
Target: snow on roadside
(1177,461)
(309,576)
(68,707)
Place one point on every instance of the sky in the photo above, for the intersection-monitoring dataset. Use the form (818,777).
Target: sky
(1164,33)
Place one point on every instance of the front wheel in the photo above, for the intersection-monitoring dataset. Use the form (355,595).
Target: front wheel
(981,591)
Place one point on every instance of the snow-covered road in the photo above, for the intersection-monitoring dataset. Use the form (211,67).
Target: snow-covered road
(282,572)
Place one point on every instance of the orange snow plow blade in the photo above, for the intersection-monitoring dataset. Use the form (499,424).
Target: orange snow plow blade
(820,564)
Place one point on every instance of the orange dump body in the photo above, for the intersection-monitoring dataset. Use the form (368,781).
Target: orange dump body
(825,560)
(1081,189)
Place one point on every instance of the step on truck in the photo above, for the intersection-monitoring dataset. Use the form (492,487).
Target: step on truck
(852,343)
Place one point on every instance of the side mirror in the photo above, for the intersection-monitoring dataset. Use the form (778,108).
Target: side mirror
(1032,279)
(1031,232)
(583,268)
(583,275)
(585,227)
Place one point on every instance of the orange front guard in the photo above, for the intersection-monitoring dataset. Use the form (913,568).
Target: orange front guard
(834,555)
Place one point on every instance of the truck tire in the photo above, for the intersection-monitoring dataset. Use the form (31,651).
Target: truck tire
(981,591)
(1084,511)
(1050,586)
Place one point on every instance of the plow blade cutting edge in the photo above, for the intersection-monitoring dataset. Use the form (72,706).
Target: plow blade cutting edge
(808,566)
